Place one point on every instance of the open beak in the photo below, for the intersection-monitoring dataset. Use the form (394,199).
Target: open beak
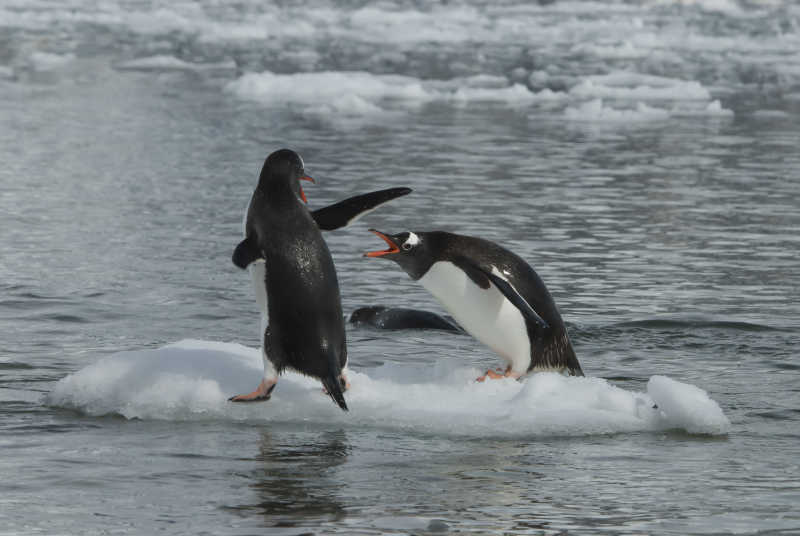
(392,246)
(302,193)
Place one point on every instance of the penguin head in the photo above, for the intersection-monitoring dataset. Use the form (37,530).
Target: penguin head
(284,168)
(410,250)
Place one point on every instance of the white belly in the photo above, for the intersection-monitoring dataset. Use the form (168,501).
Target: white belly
(258,272)
(485,313)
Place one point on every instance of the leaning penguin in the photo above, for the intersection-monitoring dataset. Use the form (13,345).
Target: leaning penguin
(295,278)
(492,293)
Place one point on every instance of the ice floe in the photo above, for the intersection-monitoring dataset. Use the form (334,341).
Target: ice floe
(356,93)
(192,380)
(171,63)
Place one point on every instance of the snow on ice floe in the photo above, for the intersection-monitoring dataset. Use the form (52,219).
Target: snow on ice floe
(192,380)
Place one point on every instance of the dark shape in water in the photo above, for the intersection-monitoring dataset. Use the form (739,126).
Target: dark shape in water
(382,317)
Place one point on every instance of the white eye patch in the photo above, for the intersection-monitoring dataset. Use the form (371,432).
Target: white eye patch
(412,241)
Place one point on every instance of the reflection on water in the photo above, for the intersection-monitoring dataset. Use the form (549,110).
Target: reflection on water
(295,480)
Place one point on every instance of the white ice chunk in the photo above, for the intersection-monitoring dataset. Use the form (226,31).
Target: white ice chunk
(45,61)
(171,63)
(192,380)
(639,87)
(686,406)
(595,110)
(358,92)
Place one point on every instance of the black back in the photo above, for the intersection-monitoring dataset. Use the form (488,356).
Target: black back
(306,326)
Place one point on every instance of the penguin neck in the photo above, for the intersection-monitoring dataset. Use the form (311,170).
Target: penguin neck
(277,193)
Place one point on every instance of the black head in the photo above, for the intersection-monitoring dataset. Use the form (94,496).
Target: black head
(412,251)
(284,168)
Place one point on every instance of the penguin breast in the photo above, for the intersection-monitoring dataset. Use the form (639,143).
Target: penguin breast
(485,314)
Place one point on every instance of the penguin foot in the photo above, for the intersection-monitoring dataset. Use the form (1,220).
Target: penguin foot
(493,374)
(498,374)
(263,392)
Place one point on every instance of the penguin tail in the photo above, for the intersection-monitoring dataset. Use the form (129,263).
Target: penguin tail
(576,371)
(333,387)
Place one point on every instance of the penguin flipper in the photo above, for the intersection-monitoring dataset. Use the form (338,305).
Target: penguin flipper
(246,252)
(481,277)
(345,212)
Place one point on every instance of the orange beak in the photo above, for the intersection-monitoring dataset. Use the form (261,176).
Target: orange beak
(302,193)
(392,246)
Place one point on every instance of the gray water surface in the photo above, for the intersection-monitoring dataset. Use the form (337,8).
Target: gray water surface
(666,226)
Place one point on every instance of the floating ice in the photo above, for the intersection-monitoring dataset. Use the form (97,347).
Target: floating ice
(636,86)
(728,7)
(343,92)
(595,110)
(192,380)
(712,109)
(45,61)
(624,50)
(356,93)
(686,406)
(170,63)
(760,114)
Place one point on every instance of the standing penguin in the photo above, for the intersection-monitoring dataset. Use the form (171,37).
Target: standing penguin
(295,278)
(492,293)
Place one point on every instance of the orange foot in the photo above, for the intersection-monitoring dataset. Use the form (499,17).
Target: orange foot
(493,374)
(262,392)
(498,374)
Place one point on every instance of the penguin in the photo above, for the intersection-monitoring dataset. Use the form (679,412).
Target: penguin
(295,278)
(381,317)
(492,293)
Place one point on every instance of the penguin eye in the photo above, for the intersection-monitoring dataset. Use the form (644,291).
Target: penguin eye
(406,246)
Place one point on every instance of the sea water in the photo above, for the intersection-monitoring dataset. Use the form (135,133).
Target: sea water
(642,156)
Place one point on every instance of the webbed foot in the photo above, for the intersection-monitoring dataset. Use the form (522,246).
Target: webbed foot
(263,392)
(498,374)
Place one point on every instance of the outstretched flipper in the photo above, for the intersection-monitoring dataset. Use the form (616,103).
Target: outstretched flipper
(482,277)
(345,212)
(327,219)
(247,252)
